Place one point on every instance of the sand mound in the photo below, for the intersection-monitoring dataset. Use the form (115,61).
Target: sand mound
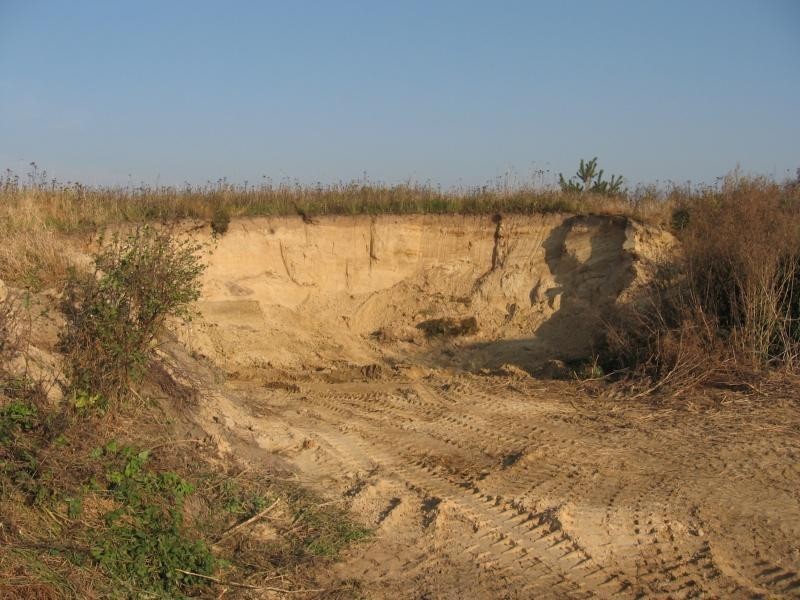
(472,291)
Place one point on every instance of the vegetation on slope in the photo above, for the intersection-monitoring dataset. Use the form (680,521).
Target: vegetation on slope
(114,312)
(101,493)
(113,506)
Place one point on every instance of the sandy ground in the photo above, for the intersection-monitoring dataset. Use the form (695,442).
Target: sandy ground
(481,481)
(512,487)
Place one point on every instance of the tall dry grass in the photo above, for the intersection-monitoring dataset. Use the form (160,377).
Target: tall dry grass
(728,307)
(33,250)
(75,208)
(38,217)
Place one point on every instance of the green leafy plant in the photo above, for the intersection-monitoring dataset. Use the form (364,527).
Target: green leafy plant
(589,178)
(114,313)
(82,400)
(16,415)
(147,545)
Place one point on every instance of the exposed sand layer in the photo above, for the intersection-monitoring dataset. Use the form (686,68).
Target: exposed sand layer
(355,289)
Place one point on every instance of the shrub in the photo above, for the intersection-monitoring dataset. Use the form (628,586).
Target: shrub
(220,220)
(730,305)
(114,313)
(666,342)
(743,269)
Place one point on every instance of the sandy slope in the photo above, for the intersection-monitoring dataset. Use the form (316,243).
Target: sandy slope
(480,481)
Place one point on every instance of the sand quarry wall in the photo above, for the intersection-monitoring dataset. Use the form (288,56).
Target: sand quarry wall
(289,294)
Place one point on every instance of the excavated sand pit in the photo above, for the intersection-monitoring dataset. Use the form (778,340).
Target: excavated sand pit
(516,290)
(389,362)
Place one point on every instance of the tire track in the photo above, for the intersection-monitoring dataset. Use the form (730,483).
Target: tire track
(527,497)
(508,537)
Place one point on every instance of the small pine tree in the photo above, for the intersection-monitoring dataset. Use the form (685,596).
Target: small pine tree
(589,179)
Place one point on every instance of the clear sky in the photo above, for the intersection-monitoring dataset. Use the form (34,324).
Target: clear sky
(453,92)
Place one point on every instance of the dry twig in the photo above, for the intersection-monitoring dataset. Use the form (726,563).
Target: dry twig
(252,519)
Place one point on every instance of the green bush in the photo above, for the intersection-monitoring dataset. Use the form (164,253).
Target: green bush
(114,313)
(146,544)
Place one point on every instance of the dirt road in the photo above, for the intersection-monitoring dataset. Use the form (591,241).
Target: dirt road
(512,487)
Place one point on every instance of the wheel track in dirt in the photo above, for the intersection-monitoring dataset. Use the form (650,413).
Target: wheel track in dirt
(357,456)
(441,483)
(539,554)
(504,470)
(663,565)
(730,459)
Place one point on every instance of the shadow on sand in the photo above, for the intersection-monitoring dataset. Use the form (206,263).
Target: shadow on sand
(590,267)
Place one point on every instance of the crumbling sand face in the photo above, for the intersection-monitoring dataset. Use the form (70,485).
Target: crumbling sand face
(358,289)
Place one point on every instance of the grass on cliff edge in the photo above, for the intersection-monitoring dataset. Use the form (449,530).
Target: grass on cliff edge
(37,215)
(73,207)
(38,219)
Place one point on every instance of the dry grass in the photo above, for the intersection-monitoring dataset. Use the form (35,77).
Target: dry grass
(32,251)
(743,266)
(75,207)
(728,309)
(39,218)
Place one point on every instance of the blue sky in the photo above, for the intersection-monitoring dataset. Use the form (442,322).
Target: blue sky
(451,92)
